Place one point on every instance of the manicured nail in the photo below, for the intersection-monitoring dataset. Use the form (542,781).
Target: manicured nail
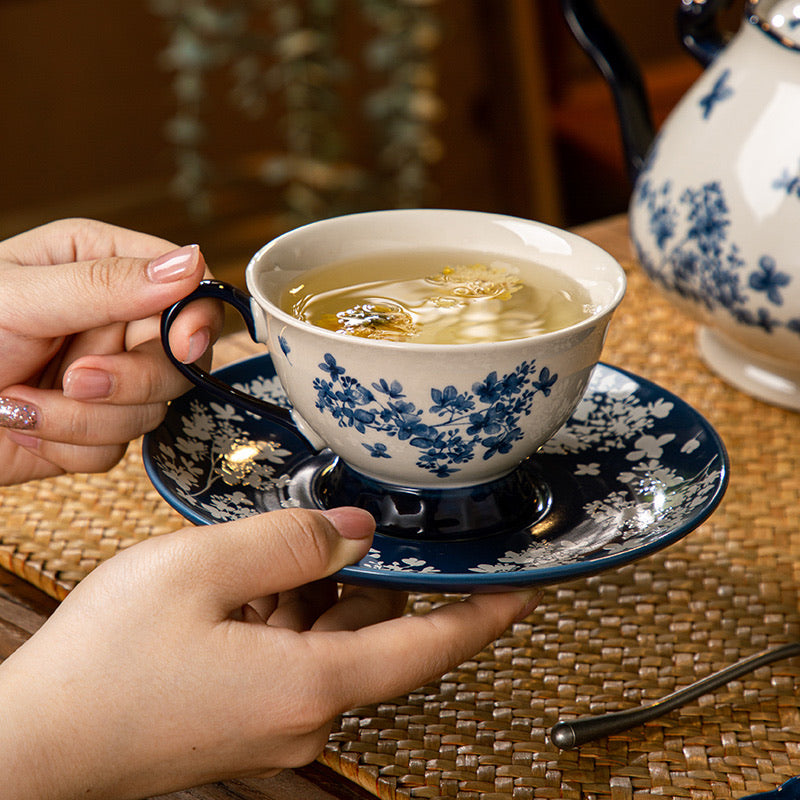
(174,265)
(82,383)
(198,344)
(18,416)
(351,522)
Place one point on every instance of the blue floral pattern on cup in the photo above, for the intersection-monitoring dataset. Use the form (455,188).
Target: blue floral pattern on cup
(483,419)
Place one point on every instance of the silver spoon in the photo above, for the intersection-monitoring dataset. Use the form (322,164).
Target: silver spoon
(573,733)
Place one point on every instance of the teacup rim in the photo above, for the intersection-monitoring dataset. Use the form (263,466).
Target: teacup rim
(588,322)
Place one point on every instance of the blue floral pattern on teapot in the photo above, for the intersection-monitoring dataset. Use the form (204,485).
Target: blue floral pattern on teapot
(695,257)
(715,210)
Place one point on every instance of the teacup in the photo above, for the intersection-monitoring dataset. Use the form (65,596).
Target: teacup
(419,416)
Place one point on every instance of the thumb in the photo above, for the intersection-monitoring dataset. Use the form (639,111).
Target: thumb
(278,551)
(79,296)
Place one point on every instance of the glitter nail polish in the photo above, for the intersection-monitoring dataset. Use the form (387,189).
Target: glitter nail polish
(17,415)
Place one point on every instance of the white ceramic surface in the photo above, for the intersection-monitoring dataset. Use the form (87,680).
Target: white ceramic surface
(715,215)
(424,415)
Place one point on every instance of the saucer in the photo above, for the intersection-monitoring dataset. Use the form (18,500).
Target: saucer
(633,470)
(788,790)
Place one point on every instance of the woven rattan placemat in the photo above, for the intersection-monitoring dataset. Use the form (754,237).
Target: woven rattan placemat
(611,641)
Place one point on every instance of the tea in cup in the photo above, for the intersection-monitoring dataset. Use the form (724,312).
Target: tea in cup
(435,297)
(427,348)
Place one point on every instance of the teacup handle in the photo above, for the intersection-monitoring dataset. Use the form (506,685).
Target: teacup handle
(219,290)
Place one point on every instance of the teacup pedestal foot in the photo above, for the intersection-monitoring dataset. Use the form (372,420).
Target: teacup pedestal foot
(769,379)
(514,502)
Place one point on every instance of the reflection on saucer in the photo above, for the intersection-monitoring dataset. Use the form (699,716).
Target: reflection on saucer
(633,470)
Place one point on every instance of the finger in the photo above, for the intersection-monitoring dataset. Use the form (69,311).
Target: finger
(247,613)
(75,297)
(20,463)
(141,376)
(276,552)
(48,415)
(72,240)
(43,459)
(195,329)
(264,606)
(397,656)
(298,609)
(67,240)
(359,607)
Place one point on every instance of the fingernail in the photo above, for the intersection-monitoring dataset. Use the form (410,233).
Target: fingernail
(23,440)
(531,599)
(198,344)
(173,266)
(351,522)
(87,384)
(18,416)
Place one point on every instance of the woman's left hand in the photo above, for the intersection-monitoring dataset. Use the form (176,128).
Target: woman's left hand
(220,651)
(82,369)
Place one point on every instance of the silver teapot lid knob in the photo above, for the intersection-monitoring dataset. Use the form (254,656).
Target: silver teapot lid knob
(780,19)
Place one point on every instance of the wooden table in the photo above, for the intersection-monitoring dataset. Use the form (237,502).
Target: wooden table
(611,641)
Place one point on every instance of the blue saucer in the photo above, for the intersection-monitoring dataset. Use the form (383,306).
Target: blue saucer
(789,790)
(633,470)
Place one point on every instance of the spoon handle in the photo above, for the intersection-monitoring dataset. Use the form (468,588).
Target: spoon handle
(573,733)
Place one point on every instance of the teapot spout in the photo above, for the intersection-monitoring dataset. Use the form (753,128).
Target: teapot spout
(622,75)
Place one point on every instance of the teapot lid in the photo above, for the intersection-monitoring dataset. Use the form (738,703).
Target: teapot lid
(780,19)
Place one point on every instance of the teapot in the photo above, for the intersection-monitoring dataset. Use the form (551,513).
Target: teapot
(715,209)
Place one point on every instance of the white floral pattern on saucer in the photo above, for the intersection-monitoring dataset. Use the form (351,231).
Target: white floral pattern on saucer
(633,470)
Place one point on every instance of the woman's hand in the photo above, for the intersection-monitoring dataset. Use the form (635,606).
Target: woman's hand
(82,369)
(193,657)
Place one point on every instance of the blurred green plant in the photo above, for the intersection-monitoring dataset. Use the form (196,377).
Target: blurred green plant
(286,61)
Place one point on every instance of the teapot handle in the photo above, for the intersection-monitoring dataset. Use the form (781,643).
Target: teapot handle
(697,27)
(698,30)
(622,74)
